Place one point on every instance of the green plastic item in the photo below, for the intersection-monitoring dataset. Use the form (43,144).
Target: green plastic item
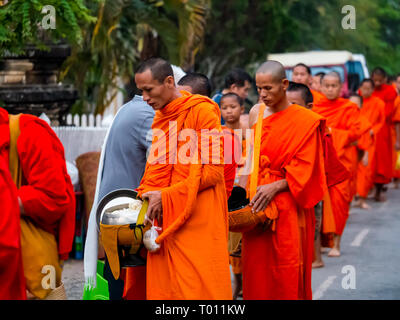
(101,290)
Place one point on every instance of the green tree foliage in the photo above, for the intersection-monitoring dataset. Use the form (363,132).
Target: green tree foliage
(242,33)
(20,23)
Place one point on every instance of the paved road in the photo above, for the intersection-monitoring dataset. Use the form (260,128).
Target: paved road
(370,262)
(369,266)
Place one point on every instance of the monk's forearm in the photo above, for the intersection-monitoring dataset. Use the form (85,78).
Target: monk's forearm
(281,186)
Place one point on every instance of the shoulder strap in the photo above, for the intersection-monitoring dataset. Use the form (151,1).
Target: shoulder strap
(15,168)
(256,152)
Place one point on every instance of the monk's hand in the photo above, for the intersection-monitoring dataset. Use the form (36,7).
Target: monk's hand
(266,193)
(154,211)
(263,197)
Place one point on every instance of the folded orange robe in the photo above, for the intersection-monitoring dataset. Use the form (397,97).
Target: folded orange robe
(291,149)
(12,280)
(374,110)
(193,261)
(343,117)
(384,139)
(395,120)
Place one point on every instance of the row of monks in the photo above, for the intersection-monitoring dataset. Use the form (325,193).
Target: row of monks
(316,152)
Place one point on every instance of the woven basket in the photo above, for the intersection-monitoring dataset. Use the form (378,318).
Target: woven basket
(57,293)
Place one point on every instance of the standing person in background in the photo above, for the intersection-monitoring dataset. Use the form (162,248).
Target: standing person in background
(343,119)
(396,133)
(373,109)
(316,82)
(237,81)
(385,145)
(302,74)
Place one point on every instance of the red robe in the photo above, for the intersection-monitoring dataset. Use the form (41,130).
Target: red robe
(342,116)
(396,121)
(12,281)
(47,193)
(374,110)
(384,145)
(291,149)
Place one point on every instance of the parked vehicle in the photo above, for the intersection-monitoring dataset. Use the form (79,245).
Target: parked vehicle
(351,67)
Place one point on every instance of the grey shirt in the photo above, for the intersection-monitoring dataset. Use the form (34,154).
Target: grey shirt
(128,141)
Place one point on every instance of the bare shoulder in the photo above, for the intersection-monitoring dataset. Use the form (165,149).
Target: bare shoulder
(253,114)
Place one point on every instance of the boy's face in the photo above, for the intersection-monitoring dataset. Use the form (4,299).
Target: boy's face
(231,110)
(366,89)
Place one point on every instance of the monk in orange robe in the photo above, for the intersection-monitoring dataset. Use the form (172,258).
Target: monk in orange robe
(342,117)
(396,137)
(292,176)
(186,192)
(384,145)
(373,109)
(45,194)
(300,94)
(12,274)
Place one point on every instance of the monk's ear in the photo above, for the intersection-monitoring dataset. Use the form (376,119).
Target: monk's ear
(169,81)
(285,84)
(310,105)
(241,109)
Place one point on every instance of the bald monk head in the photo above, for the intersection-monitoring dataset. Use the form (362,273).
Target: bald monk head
(272,84)
(302,74)
(378,76)
(155,78)
(331,85)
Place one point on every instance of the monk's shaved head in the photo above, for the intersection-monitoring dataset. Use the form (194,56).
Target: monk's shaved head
(274,68)
(332,74)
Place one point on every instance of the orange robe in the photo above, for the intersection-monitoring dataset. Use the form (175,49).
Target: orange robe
(384,139)
(395,120)
(12,281)
(231,145)
(316,95)
(193,261)
(291,149)
(342,116)
(374,110)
